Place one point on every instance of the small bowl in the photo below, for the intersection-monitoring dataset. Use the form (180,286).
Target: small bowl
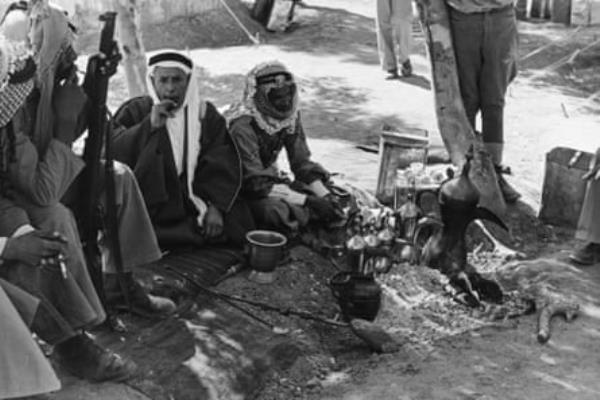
(265,249)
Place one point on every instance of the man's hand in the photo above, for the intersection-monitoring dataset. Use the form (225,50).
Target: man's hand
(160,112)
(34,247)
(324,207)
(213,222)
(594,171)
(100,65)
(337,206)
(105,64)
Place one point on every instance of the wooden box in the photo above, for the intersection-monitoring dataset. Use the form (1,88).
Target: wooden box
(396,151)
(563,190)
(585,12)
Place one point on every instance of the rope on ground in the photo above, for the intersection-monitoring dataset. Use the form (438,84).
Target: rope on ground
(577,53)
(568,59)
(253,39)
(590,100)
(593,97)
(550,44)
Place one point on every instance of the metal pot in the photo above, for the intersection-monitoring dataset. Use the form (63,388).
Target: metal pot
(265,249)
(358,296)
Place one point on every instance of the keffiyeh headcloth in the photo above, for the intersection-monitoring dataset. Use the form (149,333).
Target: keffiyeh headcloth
(16,73)
(255,101)
(50,35)
(16,83)
(187,116)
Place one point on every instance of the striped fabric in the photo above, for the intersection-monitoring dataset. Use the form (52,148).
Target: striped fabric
(12,97)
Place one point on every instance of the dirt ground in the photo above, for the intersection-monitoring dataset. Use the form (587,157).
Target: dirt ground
(345,100)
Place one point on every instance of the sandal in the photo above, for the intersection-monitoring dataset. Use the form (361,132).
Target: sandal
(85,359)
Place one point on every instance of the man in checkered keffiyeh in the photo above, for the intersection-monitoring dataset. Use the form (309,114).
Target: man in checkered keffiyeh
(38,166)
(16,83)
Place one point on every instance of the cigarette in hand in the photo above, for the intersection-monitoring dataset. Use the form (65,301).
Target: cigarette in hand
(63,266)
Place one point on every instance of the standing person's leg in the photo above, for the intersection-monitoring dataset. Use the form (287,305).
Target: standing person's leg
(588,228)
(499,69)
(467,39)
(385,37)
(402,21)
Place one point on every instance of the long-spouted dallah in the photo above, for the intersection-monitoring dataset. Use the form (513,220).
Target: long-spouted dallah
(446,249)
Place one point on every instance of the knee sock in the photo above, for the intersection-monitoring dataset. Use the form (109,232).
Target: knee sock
(495,151)
(492,124)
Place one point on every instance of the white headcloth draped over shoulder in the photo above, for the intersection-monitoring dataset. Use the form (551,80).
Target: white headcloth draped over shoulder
(186,118)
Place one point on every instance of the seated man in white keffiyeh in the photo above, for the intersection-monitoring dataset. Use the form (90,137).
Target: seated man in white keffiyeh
(185,161)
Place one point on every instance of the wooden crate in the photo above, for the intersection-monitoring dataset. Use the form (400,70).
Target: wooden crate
(398,150)
(563,190)
(585,12)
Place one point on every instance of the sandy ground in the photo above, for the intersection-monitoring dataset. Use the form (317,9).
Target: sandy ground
(345,100)
(333,53)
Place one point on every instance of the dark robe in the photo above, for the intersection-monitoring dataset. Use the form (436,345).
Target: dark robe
(259,151)
(24,370)
(67,304)
(217,178)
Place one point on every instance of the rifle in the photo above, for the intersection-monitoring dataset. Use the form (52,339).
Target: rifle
(96,85)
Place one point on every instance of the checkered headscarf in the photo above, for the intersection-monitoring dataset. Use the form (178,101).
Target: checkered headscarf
(17,70)
(255,103)
(12,97)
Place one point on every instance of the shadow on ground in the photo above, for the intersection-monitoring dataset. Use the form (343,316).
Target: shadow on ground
(331,108)
(214,28)
(346,34)
(569,61)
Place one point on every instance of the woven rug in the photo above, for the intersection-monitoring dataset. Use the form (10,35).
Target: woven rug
(205,266)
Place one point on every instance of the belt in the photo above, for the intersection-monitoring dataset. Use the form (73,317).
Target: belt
(491,11)
(499,10)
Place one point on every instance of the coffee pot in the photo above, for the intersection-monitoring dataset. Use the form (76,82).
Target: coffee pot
(446,248)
